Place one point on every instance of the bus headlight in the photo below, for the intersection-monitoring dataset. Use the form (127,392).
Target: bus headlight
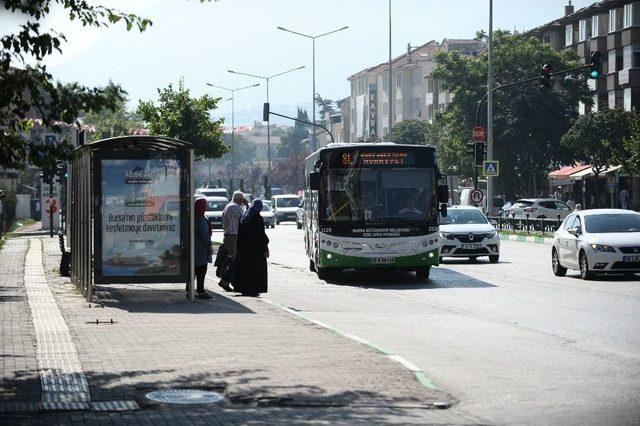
(447,235)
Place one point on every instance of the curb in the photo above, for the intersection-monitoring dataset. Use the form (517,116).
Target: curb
(419,375)
(526,239)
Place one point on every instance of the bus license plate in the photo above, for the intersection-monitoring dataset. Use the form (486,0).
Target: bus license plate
(471,246)
(383,260)
(632,259)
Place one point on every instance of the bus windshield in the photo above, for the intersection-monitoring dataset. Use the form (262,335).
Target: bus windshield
(380,194)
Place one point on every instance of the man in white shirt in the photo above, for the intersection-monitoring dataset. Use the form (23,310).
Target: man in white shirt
(230,222)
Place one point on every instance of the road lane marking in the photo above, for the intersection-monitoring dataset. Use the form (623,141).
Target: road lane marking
(420,375)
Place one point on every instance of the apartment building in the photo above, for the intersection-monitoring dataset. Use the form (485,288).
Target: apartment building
(611,27)
(416,94)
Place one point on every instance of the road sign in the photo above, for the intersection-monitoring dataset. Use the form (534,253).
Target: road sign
(491,168)
(611,183)
(477,134)
(476,196)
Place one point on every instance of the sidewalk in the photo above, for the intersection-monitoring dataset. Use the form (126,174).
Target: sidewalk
(271,367)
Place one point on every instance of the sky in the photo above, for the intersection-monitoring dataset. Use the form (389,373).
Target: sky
(201,41)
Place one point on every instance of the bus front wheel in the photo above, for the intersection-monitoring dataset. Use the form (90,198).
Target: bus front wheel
(423,273)
(312,265)
(324,273)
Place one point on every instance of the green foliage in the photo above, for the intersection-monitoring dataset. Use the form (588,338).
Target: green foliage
(325,105)
(291,143)
(631,146)
(26,88)
(180,116)
(243,147)
(9,206)
(289,173)
(528,121)
(450,142)
(411,132)
(111,123)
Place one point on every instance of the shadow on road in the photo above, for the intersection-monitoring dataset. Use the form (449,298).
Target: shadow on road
(390,280)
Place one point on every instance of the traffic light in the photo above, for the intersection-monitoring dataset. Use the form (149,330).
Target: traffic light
(61,171)
(47,177)
(479,155)
(596,65)
(545,77)
(471,149)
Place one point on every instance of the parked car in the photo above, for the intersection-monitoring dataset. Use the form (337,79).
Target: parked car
(300,215)
(466,232)
(215,205)
(597,241)
(212,192)
(539,208)
(268,216)
(285,207)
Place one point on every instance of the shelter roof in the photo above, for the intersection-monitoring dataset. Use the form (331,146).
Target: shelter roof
(139,143)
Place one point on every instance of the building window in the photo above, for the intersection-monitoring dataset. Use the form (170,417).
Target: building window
(584,30)
(385,108)
(416,77)
(430,85)
(613,20)
(611,63)
(385,83)
(546,38)
(360,87)
(598,25)
(568,35)
(631,56)
(398,80)
(415,107)
(631,12)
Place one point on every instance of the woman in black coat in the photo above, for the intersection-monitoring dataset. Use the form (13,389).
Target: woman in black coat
(253,250)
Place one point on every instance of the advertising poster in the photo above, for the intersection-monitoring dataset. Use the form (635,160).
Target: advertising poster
(140,217)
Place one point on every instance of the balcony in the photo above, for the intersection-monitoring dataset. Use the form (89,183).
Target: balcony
(630,35)
(614,41)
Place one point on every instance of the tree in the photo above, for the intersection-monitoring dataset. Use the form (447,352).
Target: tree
(244,150)
(28,91)
(109,123)
(632,149)
(598,139)
(451,145)
(412,132)
(291,143)
(289,172)
(180,116)
(528,121)
(325,105)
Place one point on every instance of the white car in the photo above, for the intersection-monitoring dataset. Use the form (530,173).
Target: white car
(267,215)
(466,232)
(285,207)
(539,208)
(212,192)
(597,241)
(215,205)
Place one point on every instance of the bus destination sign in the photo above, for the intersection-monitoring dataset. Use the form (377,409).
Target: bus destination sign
(377,158)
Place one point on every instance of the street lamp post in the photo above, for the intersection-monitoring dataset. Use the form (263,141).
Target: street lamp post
(233,124)
(313,98)
(267,78)
(490,109)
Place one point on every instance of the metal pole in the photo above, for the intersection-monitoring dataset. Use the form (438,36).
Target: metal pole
(268,139)
(314,141)
(390,94)
(490,109)
(192,240)
(233,131)
(50,205)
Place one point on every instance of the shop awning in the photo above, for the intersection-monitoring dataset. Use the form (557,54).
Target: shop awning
(589,172)
(566,171)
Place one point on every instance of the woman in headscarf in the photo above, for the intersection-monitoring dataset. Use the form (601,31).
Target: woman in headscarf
(253,250)
(202,246)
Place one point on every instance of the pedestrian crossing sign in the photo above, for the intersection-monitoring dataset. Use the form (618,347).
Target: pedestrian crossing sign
(491,168)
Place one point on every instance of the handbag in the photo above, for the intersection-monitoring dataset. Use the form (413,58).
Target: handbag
(221,259)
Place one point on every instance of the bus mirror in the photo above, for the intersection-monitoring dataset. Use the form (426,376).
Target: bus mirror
(443,210)
(314,181)
(443,194)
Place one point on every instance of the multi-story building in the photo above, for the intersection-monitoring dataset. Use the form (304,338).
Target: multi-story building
(611,27)
(416,93)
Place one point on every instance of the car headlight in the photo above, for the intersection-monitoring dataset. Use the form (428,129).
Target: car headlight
(493,234)
(601,248)
(447,235)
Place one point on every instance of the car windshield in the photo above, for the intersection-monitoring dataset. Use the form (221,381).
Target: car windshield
(522,203)
(287,202)
(466,216)
(215,206)
(380,195)
(612,222)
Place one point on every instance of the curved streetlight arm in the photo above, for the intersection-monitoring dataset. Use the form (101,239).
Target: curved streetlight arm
(219,87)
(247,74)
(294,32)
(331,32)
(286,72)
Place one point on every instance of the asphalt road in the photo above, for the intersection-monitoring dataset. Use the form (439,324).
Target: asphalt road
(511,341)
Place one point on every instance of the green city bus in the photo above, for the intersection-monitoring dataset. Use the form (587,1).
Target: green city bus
(373,206)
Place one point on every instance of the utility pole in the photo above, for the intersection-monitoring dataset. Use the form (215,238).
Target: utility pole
(490,110)
(391,99)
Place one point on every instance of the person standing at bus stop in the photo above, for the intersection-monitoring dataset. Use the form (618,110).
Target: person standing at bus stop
(253,251)
(230,223)
(202,246)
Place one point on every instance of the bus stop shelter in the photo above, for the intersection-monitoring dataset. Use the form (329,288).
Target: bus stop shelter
(132,212)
